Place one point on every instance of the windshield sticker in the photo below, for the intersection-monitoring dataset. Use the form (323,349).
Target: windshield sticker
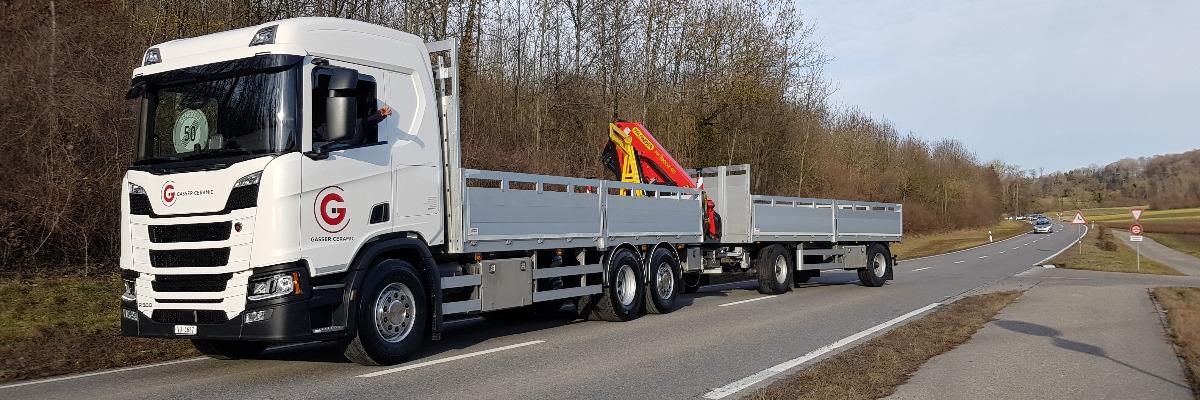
(191,131)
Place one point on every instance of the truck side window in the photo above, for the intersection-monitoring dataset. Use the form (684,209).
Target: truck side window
(368,108)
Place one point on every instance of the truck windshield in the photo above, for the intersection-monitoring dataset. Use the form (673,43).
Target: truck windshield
(240,108)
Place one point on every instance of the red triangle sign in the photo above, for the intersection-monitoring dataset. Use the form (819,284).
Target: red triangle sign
(1079,218)
(1137,214)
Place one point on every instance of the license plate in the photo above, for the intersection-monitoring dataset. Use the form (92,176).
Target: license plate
(185,329)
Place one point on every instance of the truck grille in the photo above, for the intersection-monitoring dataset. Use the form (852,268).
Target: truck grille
(200,317)
(189,258)
(242,197)
(190,232)
(191,283)
(139,204)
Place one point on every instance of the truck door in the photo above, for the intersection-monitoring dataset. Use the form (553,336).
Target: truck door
(346,195)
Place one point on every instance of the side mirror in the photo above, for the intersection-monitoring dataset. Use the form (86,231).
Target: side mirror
(341,118)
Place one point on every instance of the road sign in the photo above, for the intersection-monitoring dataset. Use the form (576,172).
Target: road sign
(1135,238)
(1137,214)
(1135,229)
(1079,218)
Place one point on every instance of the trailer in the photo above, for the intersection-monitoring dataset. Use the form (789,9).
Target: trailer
(317,225)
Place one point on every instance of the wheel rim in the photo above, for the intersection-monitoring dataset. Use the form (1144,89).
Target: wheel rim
(666,281)
(880,265)
(395,312)
(781,269)
(626,285)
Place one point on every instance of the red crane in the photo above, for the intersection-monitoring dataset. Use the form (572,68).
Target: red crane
(634,155)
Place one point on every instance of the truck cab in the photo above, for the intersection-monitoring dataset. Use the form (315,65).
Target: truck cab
(264,165)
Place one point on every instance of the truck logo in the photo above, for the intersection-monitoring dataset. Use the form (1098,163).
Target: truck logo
(330,210)
(168,193)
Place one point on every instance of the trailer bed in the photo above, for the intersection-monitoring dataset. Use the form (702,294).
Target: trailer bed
(506,211)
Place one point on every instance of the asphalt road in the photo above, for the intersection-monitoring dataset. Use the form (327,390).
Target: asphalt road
(721,335)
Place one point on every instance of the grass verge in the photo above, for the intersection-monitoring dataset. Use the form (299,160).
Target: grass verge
(917,246)
(1186,243)
(1102,252)
(1183,325)
(874,369)
(67,324)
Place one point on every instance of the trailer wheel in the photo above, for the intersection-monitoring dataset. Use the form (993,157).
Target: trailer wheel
(693,281)
(775,268)
(391,316)
(621,299)
(879,262)
(229,349)
(663,284)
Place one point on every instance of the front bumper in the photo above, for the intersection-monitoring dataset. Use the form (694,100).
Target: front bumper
(287,322)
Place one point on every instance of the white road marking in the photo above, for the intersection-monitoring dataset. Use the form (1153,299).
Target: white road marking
(448,359)
(69,377)
(723,391)
(982,257)
(921,269)
(745,301)
(1014,248)
(1001,251)
(960,261)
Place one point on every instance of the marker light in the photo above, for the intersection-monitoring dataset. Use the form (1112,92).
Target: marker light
(264,36)
(153,57)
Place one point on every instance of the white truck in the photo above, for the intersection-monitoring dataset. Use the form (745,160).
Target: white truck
(271,202)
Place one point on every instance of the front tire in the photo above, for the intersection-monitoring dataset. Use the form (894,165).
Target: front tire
(229,349)
(391,317)
(775,269)
(879,263)
(663,286)
(621,299)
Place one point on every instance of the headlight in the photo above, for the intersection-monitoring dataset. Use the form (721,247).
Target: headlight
(130,290)
(135,189)
(248,180)
(276,285)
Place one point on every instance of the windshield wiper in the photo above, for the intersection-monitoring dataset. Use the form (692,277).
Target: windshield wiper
(156,160)
(218,153)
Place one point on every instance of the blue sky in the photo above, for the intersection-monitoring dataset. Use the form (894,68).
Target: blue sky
(1042,84)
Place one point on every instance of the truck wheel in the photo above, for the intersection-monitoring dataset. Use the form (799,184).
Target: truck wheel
(621,299)
(879,261)
(692,282)
(391,316)
(663,284)
(775,269)
(229,349)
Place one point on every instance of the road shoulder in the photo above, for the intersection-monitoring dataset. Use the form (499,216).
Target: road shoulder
(1073,334)
(1153,250)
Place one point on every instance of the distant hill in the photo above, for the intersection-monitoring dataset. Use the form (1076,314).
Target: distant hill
(1163,181)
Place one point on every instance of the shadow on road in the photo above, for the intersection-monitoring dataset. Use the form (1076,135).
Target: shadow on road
(1056,338)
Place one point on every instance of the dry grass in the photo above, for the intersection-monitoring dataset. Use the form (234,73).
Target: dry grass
(915,246)
(71,325)
(1124,216)
(1183,317)
(1095,258)
(1186,243)
(874,369)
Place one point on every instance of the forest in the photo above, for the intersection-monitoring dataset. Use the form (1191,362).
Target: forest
(1160,182)
(717,81)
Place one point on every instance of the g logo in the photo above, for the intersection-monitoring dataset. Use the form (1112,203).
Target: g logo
(168,193)
(330,210)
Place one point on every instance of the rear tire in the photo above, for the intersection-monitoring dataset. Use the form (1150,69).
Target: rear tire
(775,268)
(621,298)
(392,316)
(229,349)
(879,263)
(662,287)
